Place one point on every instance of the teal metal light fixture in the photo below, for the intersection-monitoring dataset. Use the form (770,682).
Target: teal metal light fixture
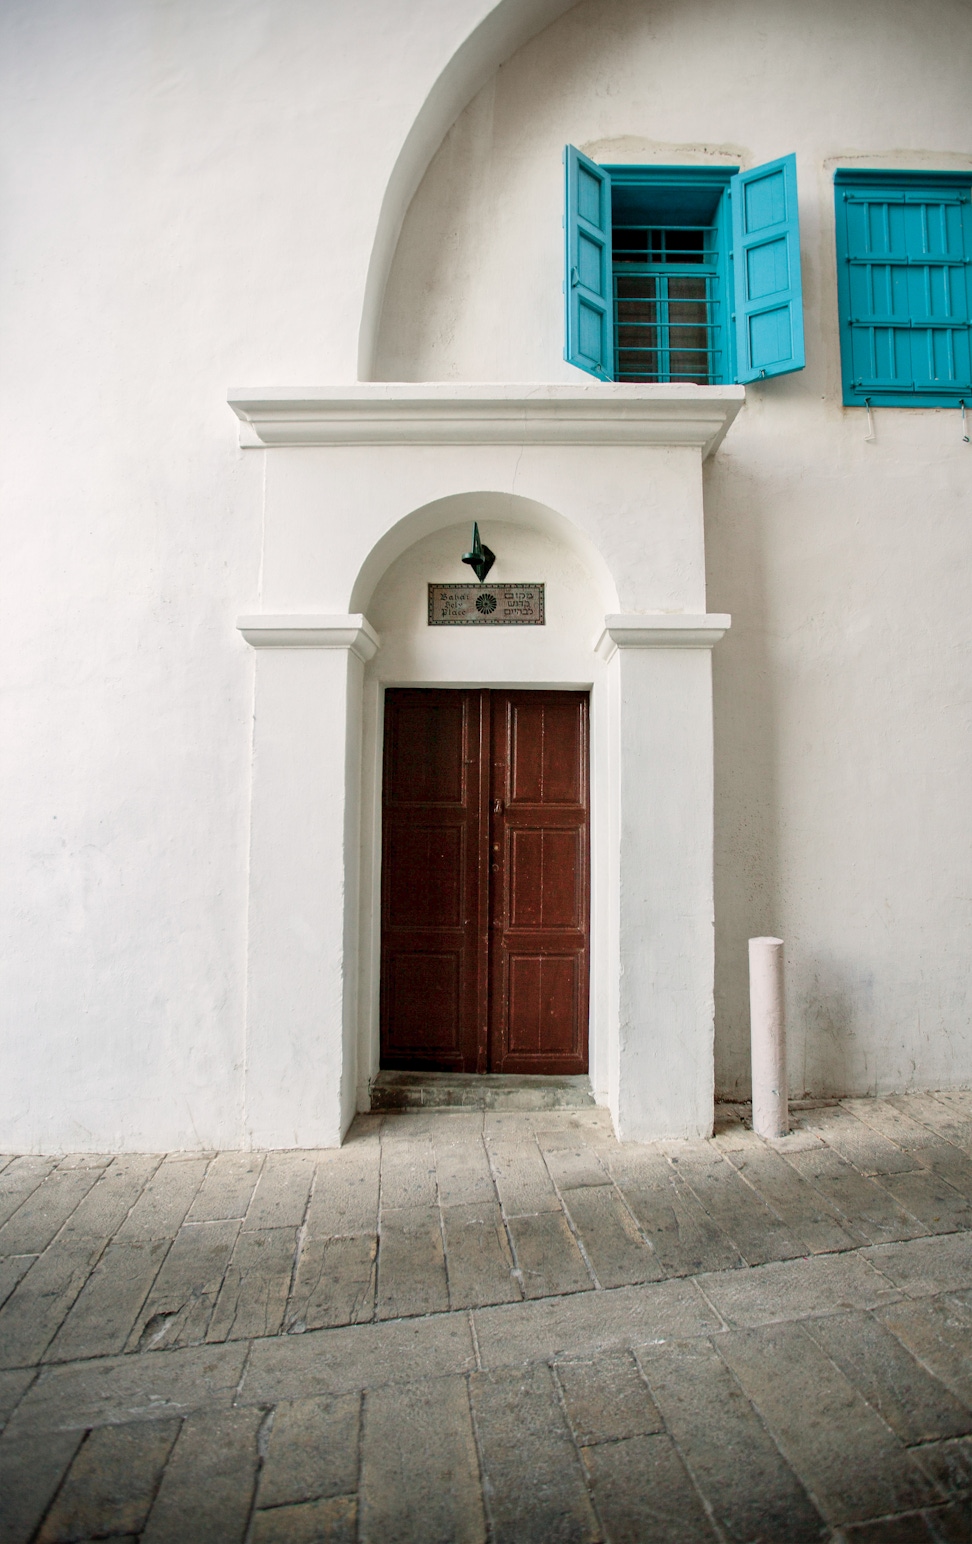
(480,559)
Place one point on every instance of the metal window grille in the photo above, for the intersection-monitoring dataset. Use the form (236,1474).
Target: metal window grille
(667,314)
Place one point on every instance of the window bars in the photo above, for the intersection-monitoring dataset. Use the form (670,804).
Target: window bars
(667,313)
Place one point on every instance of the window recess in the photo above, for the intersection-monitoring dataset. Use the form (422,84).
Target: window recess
(667,283)
(682,273)
(904,287)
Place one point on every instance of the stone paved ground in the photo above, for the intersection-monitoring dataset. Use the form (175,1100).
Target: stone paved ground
(468,1326)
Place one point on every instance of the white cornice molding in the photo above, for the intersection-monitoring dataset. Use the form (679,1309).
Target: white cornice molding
(661,630)
(312,632)
(471,413)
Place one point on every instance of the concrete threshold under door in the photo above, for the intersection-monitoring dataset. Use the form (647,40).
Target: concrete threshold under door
(479,1091)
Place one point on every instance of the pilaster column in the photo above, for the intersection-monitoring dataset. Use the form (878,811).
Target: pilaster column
(662,1082)
(301,1031)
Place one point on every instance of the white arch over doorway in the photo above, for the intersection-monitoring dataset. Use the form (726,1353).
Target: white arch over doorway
(508,508)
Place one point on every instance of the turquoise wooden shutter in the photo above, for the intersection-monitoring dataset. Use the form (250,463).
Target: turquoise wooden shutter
(588,282)
(904,291)
(767,290)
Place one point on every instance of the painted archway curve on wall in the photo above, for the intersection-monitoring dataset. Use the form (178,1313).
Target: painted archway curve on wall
(483,506)
(504,29)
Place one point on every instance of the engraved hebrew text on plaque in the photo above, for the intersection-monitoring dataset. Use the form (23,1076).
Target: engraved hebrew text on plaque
(486,605)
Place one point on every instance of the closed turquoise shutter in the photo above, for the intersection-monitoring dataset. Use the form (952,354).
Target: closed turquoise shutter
(588,281)
(767,289)
(904,292)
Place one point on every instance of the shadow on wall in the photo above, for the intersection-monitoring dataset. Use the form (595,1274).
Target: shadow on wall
(829,997)
(747,880)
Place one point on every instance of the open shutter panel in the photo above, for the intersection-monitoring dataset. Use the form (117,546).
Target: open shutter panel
(767,290)
(588,283)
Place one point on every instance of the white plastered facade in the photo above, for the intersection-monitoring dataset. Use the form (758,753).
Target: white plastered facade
(595,493)
(197,197)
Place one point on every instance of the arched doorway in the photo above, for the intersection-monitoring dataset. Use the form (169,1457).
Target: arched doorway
(487,782)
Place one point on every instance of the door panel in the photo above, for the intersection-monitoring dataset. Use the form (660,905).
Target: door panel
(424,991)
(543,1005)
(539,894)
(426,736)
(547,763)
(434,882)
(546,875)
(485,881)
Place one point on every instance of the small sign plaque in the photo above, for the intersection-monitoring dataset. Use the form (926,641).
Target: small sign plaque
(486,605)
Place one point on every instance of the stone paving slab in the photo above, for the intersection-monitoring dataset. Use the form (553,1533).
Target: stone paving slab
(362,1356)
(32,1314)
(334,1284)
(146,1387)
(35,1222)
(480,1263)
(32,1466)
(13,1386)
(344,1201)
(160,1210)
(924,1267)
(207,1487)
(256,1285)
(312,1451)
(19,1178)
(588,1322)
(754,1229)
(938,1332)
(686,1239)
(858,1144)
(726,1445)
(812,1218)
(227,1190)
(845,1453)
(618,1253)
(112,1483)
(869,1211)
(178,1310)
(873,1357)
(548,1259)
(411,1263)
(607,1399)
(100,1320)
(310,1522)
(495,1325)
(419,1460)
(796,1289)
(533,1479)
(643,1491)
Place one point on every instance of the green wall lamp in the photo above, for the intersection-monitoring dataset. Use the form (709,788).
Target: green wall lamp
(480,559)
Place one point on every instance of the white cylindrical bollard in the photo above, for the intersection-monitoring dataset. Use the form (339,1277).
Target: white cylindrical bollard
(767,1027)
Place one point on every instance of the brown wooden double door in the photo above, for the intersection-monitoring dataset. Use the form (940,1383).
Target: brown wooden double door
(485,888)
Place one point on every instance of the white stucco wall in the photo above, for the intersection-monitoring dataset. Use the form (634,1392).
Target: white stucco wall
(191,197)
(843,692)
(194,195)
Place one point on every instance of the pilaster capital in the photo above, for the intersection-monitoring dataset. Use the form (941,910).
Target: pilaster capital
(354,633)
(661,630)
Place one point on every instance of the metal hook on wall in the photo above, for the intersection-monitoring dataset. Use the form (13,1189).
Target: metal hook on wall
(869,436)
(965,426)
